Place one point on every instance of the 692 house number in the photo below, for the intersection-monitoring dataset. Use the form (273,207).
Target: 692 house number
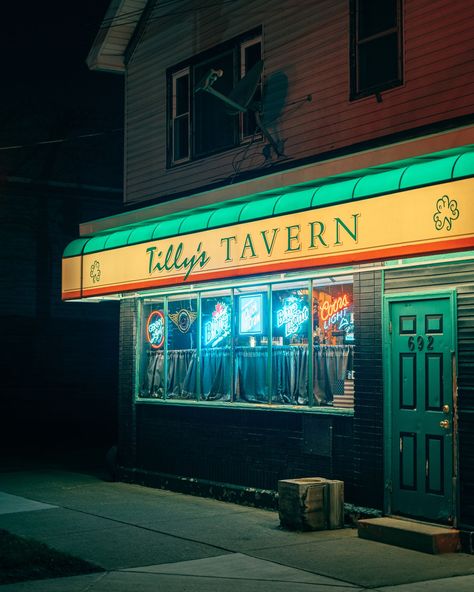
(420,343)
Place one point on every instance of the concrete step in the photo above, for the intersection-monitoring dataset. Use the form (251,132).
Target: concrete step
(419,536)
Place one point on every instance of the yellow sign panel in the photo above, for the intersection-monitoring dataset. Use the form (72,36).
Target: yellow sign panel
(433,219)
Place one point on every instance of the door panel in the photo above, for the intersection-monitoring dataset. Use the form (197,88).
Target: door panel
(421,408)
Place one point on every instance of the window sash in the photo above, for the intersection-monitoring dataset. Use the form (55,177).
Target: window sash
(253,364)
(184,123)
(182,119)
(360,44)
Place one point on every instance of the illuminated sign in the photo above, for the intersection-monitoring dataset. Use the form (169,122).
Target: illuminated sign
(328,309)
(155,329)
(292,315)
(251,314)
(336,315)
(183,319)
(218,327)
(427,220)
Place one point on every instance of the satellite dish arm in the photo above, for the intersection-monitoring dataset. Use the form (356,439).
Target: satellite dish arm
(222,97)
(267,134)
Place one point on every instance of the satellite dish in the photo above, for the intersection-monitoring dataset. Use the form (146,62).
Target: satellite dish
(240,97)
(243,91)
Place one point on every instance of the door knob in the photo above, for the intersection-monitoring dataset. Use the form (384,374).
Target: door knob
(445,408)
(444,424)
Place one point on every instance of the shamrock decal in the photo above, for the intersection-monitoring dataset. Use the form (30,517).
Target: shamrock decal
(446,212)
(95,272)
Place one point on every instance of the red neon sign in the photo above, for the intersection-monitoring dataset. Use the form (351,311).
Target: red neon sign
(327,309)
(155,329)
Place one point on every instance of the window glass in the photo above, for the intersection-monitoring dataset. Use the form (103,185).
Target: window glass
(376,37)
(201,123)
(151,371)
(291,312)
(378,61)
(333,342)
(251,320)
(287,343)
(182,324)
(214,127)
(376,16)
(216,346)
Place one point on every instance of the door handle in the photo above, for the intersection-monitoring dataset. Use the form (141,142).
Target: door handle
(444,424)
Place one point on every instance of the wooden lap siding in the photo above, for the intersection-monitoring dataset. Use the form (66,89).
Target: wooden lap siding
(309,57)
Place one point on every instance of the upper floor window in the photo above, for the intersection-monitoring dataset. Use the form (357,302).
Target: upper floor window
(199,122)
(376,48)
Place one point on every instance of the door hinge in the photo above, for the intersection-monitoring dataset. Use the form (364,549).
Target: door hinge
(390,327)
(388,485)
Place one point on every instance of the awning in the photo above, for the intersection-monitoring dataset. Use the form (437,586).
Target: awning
(83,272)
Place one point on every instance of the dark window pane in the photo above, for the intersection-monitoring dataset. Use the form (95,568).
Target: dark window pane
(152,378)
(182,95)
(378,62)
(213,126)
(253,55)
(182,353)
(376,16)
(181,138)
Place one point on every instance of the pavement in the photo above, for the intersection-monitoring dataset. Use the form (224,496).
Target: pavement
(154,540)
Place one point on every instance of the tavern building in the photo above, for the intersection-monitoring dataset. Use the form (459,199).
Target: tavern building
(294,262)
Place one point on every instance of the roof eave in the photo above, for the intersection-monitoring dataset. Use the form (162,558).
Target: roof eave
(107,53)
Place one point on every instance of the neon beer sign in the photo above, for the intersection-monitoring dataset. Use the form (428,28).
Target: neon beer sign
(155,329)
(336,313)
(251,314)
(218,327)
(292,315)
(328,309)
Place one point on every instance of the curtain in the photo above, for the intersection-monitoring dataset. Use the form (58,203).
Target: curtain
(289,374)
(330,366)
(251,374)
(182,374)
(153,381)
(216,371)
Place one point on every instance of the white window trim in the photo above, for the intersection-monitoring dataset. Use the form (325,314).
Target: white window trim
(175,77)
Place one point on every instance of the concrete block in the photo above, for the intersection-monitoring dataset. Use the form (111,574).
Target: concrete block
(427,538)
(311,503)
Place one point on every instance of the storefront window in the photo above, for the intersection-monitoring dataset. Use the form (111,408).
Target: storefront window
(216,346)
(333,343)
(251,326)
(291,324)
(182,332)
(152,375)
(282,343)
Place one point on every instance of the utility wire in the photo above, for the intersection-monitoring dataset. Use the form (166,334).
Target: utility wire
(133,21)
(61,140)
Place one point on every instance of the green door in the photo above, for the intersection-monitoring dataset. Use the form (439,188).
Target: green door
(421,408)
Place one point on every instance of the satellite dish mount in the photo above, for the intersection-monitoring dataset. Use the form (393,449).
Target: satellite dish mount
(240,97)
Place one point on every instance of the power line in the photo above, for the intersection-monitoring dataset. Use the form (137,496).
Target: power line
(61,140)
(133,21)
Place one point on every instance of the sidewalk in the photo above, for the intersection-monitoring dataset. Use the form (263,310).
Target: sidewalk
(149,539)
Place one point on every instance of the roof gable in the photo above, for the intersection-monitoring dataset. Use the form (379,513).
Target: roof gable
(114,35)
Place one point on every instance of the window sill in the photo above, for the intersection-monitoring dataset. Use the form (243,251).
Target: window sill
(248,406)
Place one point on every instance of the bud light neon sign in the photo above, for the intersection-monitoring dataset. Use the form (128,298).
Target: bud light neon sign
(292,315)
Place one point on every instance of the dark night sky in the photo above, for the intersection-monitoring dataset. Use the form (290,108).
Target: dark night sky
(48,92)
(48,40)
